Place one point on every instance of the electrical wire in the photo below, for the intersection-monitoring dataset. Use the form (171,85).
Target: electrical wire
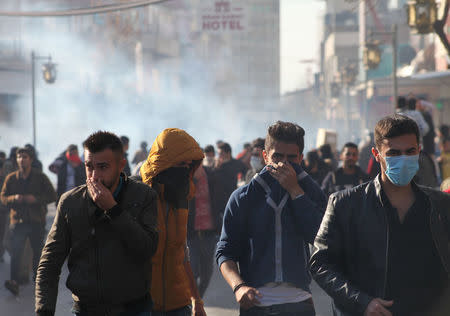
(83,11)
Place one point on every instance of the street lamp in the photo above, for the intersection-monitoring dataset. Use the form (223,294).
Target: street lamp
(372,58)
(421,15)
(49,74)
(372,55)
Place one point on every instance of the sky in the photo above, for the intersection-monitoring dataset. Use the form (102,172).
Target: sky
(300,34)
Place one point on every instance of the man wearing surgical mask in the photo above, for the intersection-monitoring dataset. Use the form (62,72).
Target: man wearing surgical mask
(382,248)
(256,159)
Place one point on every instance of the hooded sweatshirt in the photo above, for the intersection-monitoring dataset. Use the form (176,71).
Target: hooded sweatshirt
(170,286)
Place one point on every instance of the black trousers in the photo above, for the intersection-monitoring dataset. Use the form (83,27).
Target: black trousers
(305,308)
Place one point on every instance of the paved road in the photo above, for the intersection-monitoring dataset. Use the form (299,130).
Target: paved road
(219,299)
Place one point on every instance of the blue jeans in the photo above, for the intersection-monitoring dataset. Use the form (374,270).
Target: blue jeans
(184,311)
(19,234)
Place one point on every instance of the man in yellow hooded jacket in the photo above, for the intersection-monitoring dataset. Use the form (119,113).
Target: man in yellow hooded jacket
(169,169)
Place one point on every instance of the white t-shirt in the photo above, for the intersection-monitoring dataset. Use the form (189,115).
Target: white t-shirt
(281,293)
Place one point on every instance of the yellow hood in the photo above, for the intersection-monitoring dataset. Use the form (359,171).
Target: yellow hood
(170,147)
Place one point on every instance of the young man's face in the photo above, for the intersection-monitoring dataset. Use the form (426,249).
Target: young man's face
(104,166)
(349,157)
(283,152)
(223,156)
(396,146)
(24,161)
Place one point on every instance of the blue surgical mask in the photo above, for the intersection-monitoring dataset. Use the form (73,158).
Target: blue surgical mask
(256,163)
(401,169)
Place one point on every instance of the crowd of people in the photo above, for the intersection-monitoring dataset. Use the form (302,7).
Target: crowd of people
(141,238)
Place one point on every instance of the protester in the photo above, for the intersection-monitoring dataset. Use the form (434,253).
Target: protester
(37,164)
(266,228)
(26,192)
(140,154)
(210,157)
(69,169)
(10,165)
(315,167)
(408,108)
(347,176)
(382,248)
(107,228)
(326,154)
(202,229)
(428,138)
(256,159)
(444,158)
(245,155)
(126,144)
(169,169)
(4,211)
(226,172)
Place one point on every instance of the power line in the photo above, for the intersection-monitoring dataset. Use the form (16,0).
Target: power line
(83,11)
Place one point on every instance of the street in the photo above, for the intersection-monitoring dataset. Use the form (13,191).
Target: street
(219,299)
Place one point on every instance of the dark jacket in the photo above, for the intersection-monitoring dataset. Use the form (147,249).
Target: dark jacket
(36,184)
(261,215)
(109,256)
(59,166)
(351,247)
(338,180)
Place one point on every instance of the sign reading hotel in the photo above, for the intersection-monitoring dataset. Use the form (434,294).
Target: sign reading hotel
(223,16)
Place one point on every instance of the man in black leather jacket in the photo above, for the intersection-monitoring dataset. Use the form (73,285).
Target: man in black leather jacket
(383,247)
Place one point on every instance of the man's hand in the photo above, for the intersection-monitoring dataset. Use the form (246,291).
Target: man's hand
(29,198)
(101,195)
(377,307)
(246,296)
(197,308)
(18,198)
(285,174)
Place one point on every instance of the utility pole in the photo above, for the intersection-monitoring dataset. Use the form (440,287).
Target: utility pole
(394,66)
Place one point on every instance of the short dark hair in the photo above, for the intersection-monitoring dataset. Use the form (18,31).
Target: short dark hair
(72,147)
(247,146)
(2,154)
(26,151)
(258,143)
(393,126)
(209,149)
(285,132)
(445,130)
(102,140)
(401,102)
(313,157)
(412,103)
(124,139)
(225,147)
(350,145)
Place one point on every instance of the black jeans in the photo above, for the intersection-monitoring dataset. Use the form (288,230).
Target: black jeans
(184,311)
(19,235)
(305,308)
(201,248)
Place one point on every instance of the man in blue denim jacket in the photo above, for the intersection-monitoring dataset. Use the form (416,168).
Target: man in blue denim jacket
(267,226)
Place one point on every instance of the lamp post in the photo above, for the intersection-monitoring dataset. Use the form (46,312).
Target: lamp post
(49,75)
(372,58)
(348,78)
(422,19)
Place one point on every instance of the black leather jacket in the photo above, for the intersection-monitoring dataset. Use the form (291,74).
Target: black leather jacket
(351,247)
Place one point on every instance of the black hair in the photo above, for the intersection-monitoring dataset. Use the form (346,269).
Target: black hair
(72,147)
(350,145)
(26,151)
(258,143)
(102,140)
(124,139)
(393,126)
(412,104)
(285,132)
(401,102)
(225,147)
(209,149)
